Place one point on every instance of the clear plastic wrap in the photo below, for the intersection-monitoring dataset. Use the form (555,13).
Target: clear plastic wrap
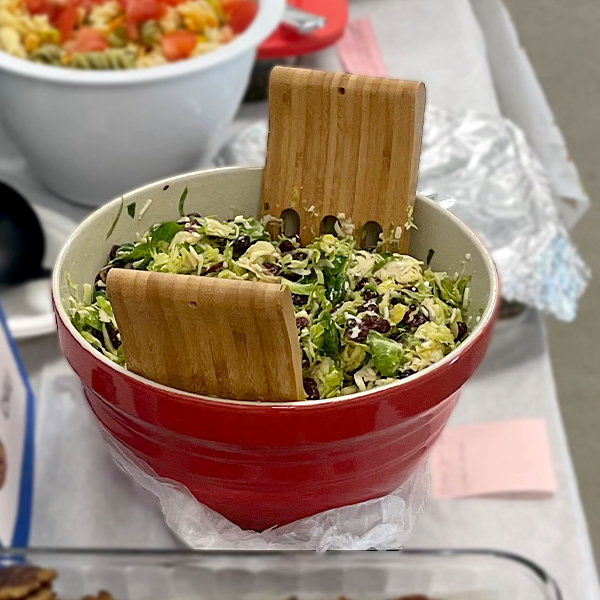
(380,523)
(491,179)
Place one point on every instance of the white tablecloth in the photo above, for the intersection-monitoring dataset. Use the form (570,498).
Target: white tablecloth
(82,499)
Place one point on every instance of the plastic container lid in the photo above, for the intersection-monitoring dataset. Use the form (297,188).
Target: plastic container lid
(284,43)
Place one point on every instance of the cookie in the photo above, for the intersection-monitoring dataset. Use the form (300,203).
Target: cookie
(44,593)
(16,583)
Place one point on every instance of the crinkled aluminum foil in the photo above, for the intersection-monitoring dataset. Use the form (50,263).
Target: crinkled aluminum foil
(481,168)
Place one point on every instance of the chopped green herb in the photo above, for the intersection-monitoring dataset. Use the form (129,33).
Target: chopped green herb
(112,227)
(430,256)
(165,233)
(131,209)
(182,202)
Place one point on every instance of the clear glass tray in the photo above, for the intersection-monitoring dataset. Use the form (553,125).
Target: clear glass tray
(155,575)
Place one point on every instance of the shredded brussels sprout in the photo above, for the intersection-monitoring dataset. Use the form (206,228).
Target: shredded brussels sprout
(364,318)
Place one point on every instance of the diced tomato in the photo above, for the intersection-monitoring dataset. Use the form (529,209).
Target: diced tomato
(241,14)
(86,39)
(141,10)
(178,45)
(65,20)
(133,32)
(227,5)
(36,6)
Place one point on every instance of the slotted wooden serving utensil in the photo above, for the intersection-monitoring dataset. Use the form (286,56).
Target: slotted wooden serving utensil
(338,143)
(217,337)
(343,144)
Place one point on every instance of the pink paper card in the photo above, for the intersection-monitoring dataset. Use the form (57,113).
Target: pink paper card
(358,50)
(483,459)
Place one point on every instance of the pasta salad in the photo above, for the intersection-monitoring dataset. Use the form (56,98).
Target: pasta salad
(119,34)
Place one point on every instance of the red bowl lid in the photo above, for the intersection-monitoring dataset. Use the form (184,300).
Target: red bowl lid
(284,43)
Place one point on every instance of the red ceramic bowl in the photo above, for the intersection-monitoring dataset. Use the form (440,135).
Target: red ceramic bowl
(266,464)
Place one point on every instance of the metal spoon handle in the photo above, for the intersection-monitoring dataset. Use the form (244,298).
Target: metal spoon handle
(300,21)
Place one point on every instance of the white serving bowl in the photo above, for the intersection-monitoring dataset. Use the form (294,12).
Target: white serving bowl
(88,136)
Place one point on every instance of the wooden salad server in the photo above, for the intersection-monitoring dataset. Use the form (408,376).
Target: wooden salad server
(338,145)
(216,337)
(343,144)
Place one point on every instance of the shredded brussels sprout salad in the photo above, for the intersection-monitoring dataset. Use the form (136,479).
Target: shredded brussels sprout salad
(364,318)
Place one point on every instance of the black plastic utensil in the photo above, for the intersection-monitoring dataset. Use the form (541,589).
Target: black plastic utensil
(22,242)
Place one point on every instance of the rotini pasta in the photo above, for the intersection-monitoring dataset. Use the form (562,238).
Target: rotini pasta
(204,47)
(118,34)
(114,59)
(10,42)
(170,22)
(198,15)
(150,33)
(101,15)
(117,38)
(150,59)
(47,54)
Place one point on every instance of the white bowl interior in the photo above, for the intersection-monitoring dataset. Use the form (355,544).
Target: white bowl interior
(228,192)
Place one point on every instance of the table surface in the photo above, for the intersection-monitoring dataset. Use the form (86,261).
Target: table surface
(514,381)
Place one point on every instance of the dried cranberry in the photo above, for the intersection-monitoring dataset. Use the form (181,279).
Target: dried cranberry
(419,320)
(377,280)
(311,389)
(293,276)
(299,299)
(383,326)
(240,245)
(213,269)
(369,306)
(103,274)
(412,288)
(462,331)
(98,335)
(414,317)
(113,252)
(286,246)
(368,294)
(360,284)
(305,362)
(271,268)
(301,323)
(355,331)
(299,255)
(377,323)
(113,334)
